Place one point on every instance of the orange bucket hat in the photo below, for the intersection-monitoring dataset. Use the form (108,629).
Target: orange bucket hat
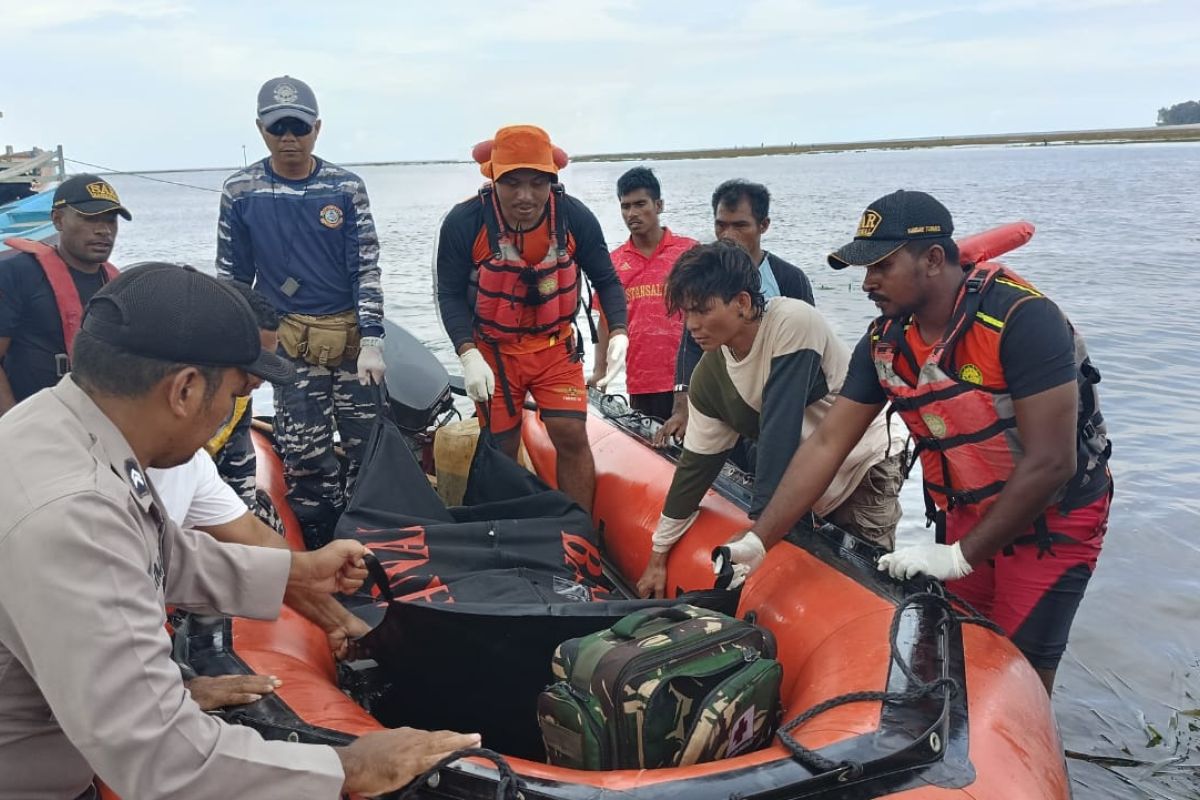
(518,147)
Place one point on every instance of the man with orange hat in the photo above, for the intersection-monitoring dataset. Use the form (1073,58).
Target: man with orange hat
(508,279)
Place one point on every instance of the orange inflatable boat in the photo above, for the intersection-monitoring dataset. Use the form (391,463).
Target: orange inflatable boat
(888,691)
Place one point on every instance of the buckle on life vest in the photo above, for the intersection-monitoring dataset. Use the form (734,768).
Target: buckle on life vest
(62,364)
(956,499)
(975,282)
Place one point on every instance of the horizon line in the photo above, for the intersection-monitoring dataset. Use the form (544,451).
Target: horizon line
(1156,133)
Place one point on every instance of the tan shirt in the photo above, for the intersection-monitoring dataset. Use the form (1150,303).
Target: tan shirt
(777,395)
(88,561)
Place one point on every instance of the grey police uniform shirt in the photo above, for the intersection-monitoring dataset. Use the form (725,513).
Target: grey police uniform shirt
(88,561)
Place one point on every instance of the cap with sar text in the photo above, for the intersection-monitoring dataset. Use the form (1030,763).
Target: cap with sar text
(89,195)
(175,313)
(890,222)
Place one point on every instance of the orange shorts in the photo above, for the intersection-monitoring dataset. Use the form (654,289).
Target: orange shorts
(551,375)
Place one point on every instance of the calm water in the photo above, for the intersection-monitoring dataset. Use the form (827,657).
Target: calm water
(1118,246)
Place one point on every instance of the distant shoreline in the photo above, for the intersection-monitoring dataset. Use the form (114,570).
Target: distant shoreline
(1166,133)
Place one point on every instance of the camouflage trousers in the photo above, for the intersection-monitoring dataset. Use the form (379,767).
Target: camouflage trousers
(307,413)
(237,463)
(872,511)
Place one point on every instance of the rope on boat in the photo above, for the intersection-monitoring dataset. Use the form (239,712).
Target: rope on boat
(850,770)
(507,788)
(144,177)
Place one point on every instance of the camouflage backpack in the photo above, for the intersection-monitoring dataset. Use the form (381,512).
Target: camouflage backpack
(664,687)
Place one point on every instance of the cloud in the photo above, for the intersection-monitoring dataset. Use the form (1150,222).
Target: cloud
(46,15)
(398,81)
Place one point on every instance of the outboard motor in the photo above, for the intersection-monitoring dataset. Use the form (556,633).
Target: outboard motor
(418,385)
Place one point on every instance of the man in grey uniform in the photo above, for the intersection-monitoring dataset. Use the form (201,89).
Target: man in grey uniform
(88,561)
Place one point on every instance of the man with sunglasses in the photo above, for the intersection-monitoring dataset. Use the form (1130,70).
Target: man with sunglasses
(300,230)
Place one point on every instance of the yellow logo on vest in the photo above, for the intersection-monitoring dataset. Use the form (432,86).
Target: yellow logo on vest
(331,216)
(548,286)
(102,191)
(971,374)
(936,425)
(868,224)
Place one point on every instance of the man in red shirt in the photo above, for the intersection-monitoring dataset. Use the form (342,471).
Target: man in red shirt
(642,264)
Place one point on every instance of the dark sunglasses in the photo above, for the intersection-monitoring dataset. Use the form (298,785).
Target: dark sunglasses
(296,127)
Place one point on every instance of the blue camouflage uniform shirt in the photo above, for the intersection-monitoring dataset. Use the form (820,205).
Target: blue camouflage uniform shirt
(308,245)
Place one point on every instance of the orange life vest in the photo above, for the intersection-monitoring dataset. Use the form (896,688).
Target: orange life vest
(507,287)
(66,296)
(965,433)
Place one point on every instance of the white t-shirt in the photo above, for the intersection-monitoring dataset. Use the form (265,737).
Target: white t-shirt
(194,494)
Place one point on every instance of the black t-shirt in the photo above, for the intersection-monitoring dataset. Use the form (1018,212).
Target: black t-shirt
(1037,352)
(29,317)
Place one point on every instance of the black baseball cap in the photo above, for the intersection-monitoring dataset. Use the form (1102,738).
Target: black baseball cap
(889,223)
(89,194)
(283,97)
(178,314)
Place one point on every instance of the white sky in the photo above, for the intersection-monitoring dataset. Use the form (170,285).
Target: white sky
(152,84)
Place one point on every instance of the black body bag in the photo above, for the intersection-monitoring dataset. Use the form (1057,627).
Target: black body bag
(469,603)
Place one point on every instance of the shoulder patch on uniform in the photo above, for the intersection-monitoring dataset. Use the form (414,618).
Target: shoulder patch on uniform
(332,216)
(137,478)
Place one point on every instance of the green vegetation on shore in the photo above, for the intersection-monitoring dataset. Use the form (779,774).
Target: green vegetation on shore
(1181,133)
(1186,113)
(1165,133)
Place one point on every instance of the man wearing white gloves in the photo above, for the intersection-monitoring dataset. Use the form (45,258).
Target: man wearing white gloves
(510,265)
(999,395)
(771,370)
(300,230)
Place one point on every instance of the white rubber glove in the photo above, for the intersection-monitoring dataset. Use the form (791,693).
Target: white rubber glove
(942,561)
(370,360)
(669,531)
(747,553)
(618,343)
(477,376)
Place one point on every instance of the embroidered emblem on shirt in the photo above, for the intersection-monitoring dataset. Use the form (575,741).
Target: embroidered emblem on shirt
(331,216)
(136,479)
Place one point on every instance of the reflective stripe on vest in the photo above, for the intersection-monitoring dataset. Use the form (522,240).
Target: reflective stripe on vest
(506,285)
(66,296)
(966,434)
